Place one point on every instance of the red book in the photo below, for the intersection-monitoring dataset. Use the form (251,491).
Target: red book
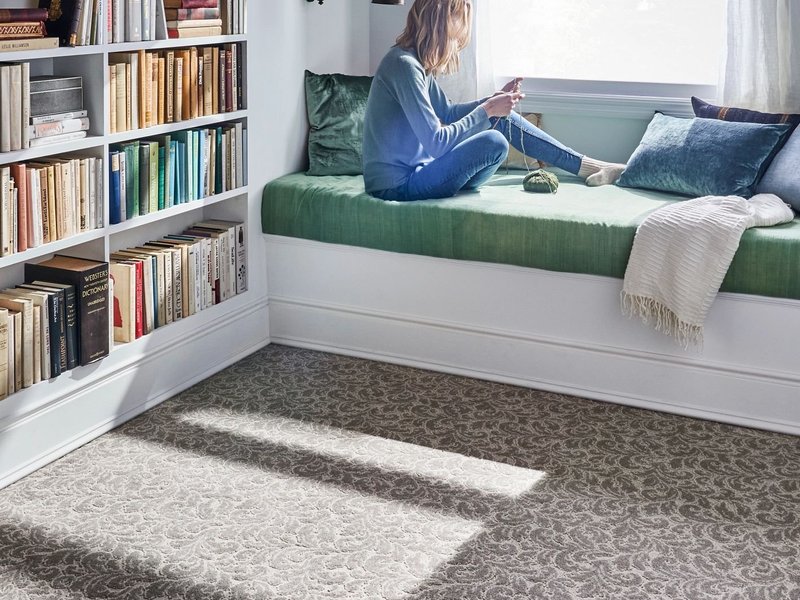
(191,4)
(21,183)
(191,14)
(228,80)
(139,296)
(17,15)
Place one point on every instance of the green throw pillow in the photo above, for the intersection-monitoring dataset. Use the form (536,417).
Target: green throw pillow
(336,105)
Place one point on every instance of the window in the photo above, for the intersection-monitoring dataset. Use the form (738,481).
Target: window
(610,46)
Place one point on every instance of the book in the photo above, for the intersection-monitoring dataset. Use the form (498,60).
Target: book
(185,14)
(14,98)
(25,360)
(28,44)
(57,309)
(57,139)
(58,127)
(60,19)
(191,23)
(192,32)
(54,118)
(42,339)
(21,183)
(124,309)
(4,345)
(22,15)
(22,30)
(14,351)
(191,3)
(133,21)
(90,280)
(115,202)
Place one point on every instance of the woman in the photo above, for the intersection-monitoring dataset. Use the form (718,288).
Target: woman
(418,145)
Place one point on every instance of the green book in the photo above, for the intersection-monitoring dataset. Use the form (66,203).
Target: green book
(161,177)
(131,179)
(153,147)
(144,178)
(166,142)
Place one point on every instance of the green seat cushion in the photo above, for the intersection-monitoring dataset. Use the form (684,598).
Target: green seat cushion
(577,230)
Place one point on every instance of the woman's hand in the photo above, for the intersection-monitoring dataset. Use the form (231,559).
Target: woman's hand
(502,103)
(513,87)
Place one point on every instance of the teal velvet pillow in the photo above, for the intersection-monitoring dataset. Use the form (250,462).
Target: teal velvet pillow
(702,157)
(336,105)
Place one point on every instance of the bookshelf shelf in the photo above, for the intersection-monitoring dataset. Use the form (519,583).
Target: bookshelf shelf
(136,134)
(52,247)
(173,43)
(172,211)
(20,55)
(92,141)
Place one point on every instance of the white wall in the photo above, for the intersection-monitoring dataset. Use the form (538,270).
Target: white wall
(287,37)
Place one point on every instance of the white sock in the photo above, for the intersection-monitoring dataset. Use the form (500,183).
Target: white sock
(599,172)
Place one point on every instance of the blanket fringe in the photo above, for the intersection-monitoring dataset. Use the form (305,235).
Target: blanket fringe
(663,319)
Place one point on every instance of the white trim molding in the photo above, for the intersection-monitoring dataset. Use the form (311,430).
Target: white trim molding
(551,331)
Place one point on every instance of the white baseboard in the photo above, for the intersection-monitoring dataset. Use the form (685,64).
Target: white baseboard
(551,331)
(127,383)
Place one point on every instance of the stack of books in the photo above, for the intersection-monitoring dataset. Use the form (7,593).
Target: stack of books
(54,322)
(49,200)
(135,20)
(193,18)
(151,175)
(56,108)
(154,88)
(24,29)
(177,276)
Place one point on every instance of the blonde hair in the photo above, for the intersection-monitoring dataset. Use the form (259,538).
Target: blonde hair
(437,30)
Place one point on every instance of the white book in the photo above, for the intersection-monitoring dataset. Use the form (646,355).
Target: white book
(161,21)
(134,25)
(5,108)
(99,193)
(35,191)
(58,127)
(118,25)
(153,22)
(15,102)
(235,17)
(144,8)
(85,25)
(78,114)
(58,139)
(133,59)
(93,193)
(239,162)
(26,103)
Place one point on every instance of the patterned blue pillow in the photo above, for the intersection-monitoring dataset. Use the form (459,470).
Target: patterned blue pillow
(740,115)
(781,177)
(702,157)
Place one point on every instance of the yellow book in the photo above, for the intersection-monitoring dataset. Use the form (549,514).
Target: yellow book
(112,97)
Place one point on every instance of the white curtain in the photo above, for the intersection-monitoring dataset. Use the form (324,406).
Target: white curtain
(475,79)
(761,70)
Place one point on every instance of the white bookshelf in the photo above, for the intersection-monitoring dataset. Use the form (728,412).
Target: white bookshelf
(47,420)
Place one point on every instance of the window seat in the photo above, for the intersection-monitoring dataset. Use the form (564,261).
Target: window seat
(525,289)
(577,230)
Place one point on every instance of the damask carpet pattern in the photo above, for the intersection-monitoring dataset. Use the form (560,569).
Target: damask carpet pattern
(303,475)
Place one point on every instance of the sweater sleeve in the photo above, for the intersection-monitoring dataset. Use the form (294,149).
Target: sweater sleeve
(411,90)
(449,112)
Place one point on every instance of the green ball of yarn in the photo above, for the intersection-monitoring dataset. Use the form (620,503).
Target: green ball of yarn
(540,182)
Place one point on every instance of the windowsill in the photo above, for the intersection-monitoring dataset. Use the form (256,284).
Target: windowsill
(605,105)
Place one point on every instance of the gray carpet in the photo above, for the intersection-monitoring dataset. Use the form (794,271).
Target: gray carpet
(302,475)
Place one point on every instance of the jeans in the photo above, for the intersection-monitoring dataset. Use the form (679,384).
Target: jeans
(472,162)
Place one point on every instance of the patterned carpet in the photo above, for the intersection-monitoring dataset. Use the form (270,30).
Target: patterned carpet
(302,475)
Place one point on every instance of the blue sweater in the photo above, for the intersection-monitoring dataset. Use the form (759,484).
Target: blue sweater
(409,121)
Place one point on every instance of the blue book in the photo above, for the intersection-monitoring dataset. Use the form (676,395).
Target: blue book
(182,179)
(162,178)
(193,165)
(173,156)
(115,208)
(218,188)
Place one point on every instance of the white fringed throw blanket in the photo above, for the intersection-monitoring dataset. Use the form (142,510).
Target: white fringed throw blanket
(681,254)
